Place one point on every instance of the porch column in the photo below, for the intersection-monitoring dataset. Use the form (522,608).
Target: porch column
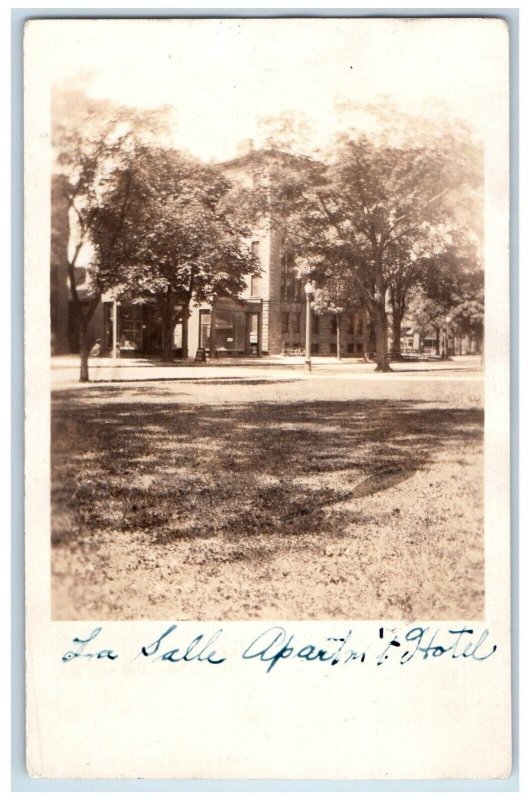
(114,329)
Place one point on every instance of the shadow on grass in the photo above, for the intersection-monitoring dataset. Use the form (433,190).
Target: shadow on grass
(189,471)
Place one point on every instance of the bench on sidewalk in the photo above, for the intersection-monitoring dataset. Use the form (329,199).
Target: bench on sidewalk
(293,351)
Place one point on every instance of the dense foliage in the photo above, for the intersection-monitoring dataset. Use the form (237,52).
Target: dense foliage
(380,224)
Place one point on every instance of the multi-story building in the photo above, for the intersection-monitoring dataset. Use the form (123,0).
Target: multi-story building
(268,319)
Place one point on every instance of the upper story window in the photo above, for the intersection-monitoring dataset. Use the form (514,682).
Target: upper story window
(296,326)
(288,288)
(255,285)
(291,286)
(356,325)
(287,261)
(255,280)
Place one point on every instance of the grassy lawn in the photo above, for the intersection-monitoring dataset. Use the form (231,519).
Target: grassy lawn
(261,507)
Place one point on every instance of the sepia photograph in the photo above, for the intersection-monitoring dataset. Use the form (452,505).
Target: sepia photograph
(267,319)
(267,399)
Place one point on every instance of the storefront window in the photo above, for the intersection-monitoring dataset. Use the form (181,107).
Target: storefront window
(130,325)
(204,329)
(235,331)
(230,330)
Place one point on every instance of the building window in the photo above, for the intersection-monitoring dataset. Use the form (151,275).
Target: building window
(315,347)
(355,325)
(230,331)
(254,249)
(285,322)
(255,285)
(296,328)
(333,325)
(297,289)
(287,261)
(130,327)
(204,329)
(315,324)
(290,289)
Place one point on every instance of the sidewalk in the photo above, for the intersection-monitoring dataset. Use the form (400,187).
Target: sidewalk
(65,369)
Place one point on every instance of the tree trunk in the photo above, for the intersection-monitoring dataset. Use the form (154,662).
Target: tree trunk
(366,335)
(480,341)
(168,326)
(396,335)
(381,344)
(338,337)
(445,344)
(83,349)
(437,344)
(185,317)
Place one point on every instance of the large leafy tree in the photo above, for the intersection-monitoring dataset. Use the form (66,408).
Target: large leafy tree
(93,140)
(429,315)
(181,240)
(373,212)
(392,207)
(451,287)
(467,314)
(434,262)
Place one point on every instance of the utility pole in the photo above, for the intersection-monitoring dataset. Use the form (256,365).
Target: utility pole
(114,329)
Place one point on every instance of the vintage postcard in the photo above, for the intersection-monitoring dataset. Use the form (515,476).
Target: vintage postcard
(267,398)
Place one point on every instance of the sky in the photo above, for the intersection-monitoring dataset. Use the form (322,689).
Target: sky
(221,77)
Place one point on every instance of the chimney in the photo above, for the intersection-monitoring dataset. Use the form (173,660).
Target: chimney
(244,147)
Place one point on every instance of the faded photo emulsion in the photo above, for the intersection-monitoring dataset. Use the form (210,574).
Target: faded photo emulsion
(267,344)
